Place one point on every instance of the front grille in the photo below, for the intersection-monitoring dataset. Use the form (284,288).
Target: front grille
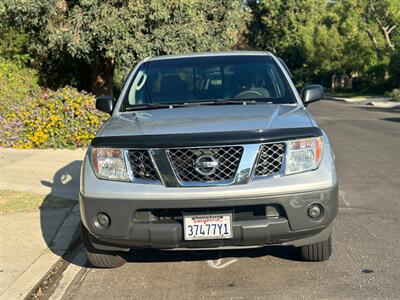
(141,165)
(183,162)
(270,159)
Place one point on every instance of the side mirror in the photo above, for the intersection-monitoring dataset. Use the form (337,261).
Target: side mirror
(312,93)
(105,104)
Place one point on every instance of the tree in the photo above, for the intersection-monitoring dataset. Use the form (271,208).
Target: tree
(381,16)
(378,19)
(97,36)
(298,31)
(322,39)
(371,32)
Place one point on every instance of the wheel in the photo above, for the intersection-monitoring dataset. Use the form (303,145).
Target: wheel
(98,258)
(316,252)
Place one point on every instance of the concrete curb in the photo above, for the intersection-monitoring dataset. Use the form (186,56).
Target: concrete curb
(388,104)
(359,100)
(39,269)
(68,276)
(348,100)
(334,98)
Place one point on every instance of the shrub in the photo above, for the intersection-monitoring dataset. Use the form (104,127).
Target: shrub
(17,85)
(395,94)
(394,70)
(64,118)
(372,81)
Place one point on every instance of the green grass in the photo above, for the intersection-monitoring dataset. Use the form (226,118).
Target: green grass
(12,202)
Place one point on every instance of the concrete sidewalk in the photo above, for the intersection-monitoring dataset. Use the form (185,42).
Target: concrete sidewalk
(377,102)
(32,242)
(359,99)
(41,171)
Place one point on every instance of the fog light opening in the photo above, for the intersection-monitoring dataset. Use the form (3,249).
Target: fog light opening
(103,221)
(315,211)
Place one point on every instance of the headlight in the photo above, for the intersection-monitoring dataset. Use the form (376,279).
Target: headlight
(109,163)
(303,155)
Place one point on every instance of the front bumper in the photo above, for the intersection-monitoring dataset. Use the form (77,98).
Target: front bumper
(291,227)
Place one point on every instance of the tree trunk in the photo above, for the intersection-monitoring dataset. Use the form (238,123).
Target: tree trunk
(385,29)
(386,33)
(333,82)
(374,41)
(102,76)
(351,81)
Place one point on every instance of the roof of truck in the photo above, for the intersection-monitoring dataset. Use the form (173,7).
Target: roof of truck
(205,54)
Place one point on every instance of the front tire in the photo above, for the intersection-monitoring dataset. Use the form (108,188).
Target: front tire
(316,252)
(98,258)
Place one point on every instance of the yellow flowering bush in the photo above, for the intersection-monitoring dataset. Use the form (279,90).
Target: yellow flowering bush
(56,119)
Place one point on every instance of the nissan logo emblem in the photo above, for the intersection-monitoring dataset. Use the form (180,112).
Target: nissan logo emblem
(206,165)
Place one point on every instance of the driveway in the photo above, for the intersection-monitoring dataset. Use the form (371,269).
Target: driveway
(366,258)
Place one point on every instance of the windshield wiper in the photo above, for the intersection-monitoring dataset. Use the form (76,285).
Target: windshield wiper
(218,102)
(149,106)
(194,103)
(226,102)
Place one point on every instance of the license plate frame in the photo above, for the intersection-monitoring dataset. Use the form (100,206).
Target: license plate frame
(207,226)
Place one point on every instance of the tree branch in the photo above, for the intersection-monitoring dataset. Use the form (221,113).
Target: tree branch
(374,42)
(383,28)
(391,29)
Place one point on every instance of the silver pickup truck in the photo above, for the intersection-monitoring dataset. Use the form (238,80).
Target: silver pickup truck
(208,151)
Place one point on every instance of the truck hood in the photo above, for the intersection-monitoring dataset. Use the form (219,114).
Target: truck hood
(200,119)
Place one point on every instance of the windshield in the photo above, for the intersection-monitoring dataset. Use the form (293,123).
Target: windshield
(215,78)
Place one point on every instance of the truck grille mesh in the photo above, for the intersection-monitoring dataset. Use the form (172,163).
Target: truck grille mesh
(270,159)
(183,162)
(141,164)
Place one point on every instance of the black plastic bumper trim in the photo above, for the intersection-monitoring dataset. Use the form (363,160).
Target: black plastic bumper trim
(293,224)
(205,139)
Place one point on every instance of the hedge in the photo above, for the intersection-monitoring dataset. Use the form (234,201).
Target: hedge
(64,118)
(17,84)
(395,94)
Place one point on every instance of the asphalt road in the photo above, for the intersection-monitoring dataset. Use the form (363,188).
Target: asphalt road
(366,258)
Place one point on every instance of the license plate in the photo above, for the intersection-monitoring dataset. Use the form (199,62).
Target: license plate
(207,227)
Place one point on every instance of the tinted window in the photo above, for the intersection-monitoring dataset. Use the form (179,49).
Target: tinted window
(209,78)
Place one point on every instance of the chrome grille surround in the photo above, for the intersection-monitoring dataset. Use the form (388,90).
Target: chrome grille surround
(183,161)
(141,165)
(175,167)
(270,161)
